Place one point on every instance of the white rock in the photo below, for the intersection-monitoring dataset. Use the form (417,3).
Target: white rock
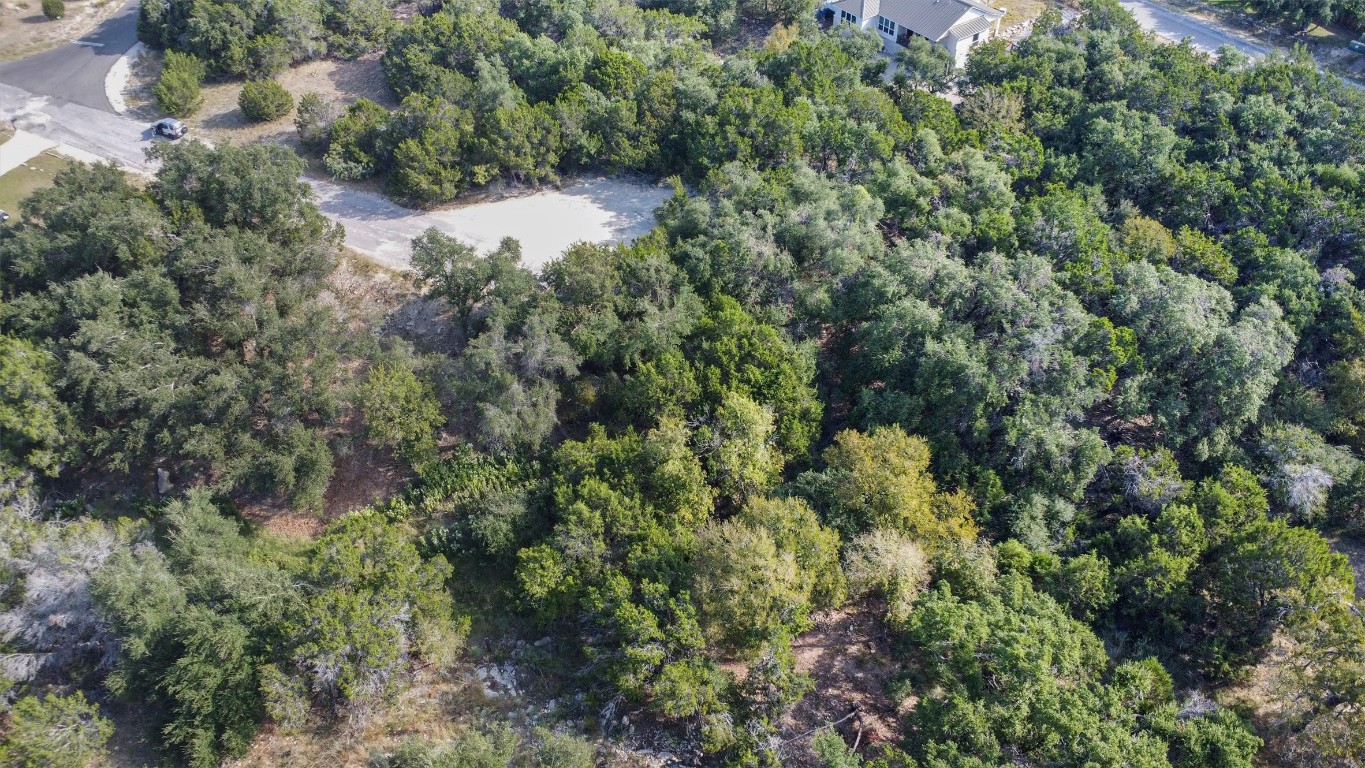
(497,680)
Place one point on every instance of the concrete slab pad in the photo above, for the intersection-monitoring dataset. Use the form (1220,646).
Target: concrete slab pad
(21,148)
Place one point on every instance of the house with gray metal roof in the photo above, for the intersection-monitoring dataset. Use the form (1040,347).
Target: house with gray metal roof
(958,25)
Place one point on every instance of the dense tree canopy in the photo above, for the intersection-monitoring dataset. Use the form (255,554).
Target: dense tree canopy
(1060,388)
(181,323)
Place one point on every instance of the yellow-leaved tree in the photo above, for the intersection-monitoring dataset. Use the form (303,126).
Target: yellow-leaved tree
(880,480)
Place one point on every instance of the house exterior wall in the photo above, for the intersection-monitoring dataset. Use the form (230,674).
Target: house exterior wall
(876,26)
(864,13)
(858,21)
(870,24)
(960,49)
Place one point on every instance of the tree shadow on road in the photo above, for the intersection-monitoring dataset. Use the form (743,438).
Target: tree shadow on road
(631,202)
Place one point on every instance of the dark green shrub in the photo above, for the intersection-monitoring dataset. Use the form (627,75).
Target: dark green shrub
(355,151)
(54,9)
(177,92)
(314,120)
(264,100)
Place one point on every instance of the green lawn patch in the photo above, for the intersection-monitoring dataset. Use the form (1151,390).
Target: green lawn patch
(1329,34)
(22,181)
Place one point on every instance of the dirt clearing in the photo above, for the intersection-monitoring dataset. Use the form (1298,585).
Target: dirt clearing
(546,223)
(594,210)
(220,120)
(1017,11)
(848,654)
(24,30)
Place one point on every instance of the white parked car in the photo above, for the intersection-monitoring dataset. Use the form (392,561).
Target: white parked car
(170,128)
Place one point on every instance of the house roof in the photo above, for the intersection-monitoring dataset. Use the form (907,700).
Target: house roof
(929,18)
(854,7)
(933,18)
(971,27)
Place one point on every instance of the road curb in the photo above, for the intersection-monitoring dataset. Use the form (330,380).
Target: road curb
(117,80)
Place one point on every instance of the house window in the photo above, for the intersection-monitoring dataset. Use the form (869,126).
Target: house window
(886,26)
(847,17)
(976,38)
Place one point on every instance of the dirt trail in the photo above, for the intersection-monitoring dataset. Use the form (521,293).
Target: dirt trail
(848,653)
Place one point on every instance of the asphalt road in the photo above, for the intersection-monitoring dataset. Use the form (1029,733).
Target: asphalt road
(75,72)
(1176,26)
(103,134)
